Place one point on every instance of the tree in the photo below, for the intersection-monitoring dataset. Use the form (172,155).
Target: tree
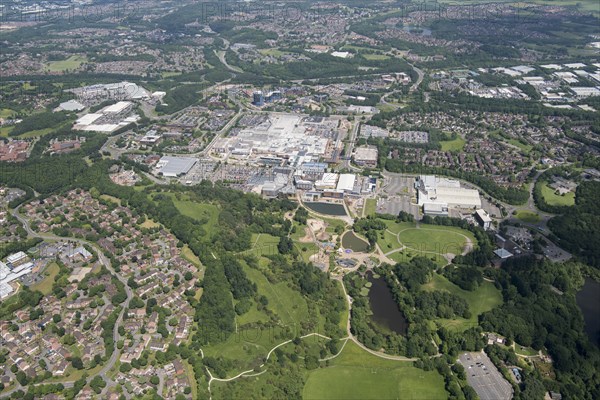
(77,363)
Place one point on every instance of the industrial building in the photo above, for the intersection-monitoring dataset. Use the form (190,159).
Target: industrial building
(433,189)
(173,167)
(18,265)
(435,209)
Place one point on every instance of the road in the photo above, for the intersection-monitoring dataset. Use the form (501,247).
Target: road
(106,263)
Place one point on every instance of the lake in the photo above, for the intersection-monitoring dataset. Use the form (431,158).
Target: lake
(588,300)
(327,208)
(385,310)
(353,242)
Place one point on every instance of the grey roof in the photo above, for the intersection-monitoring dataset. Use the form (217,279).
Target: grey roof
(177,165)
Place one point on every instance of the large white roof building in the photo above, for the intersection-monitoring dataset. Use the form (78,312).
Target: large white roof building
(438,190)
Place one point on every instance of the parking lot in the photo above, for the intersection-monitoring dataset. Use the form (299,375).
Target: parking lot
(484,377)
(397,192)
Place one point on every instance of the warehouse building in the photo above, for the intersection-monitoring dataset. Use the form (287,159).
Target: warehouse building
(433,189)
(173,167)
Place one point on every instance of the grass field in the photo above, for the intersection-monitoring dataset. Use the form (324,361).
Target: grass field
(481,300)
(357,374)
(149,224)
(45,285)
(555,199)
(370,207)
(437,239)
(430,241)
(376,56)
(526,148)
(68,64)
(453,145)
(204,212)
(189,255)
(6,112)
(528,216)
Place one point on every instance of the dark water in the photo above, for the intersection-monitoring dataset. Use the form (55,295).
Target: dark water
(588,299)
(385,310)
(351,241)
(327,208)
(417,30)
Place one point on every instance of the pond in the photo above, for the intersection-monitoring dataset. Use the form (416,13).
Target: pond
(385,310)
(588,300)
(415,30)
(353,242)
(327,208)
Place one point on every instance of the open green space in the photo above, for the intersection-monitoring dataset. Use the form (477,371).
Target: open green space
(431,241)
(528,216)
(483,299)
(554,199)
(357,374)
(370,207)
(435,239)
(526,148)
(457,144)
(206,214)
(250,344)
(6,112)
(68,64)
(376,56)
(45,285)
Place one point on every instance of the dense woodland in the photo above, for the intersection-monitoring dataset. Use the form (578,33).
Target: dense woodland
(577,229)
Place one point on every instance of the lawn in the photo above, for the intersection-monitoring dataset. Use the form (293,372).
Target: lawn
(376,56)
(554,199)
(528,216)
(149,224)
(45,285)
(457,144)
(526,148)
(70,63)
(435,238)
(481,300)
(430,241)
(189,255)
(370,207)
(357,374)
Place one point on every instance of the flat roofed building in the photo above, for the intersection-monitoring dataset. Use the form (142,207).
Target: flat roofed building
(175,166)
(346,182)
(366,156)
(435,209)
(433,189)
(16,258)
(483,218)
(328,181)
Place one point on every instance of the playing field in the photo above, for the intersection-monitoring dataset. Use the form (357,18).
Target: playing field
(481,300)
(357,374)
(554,199)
